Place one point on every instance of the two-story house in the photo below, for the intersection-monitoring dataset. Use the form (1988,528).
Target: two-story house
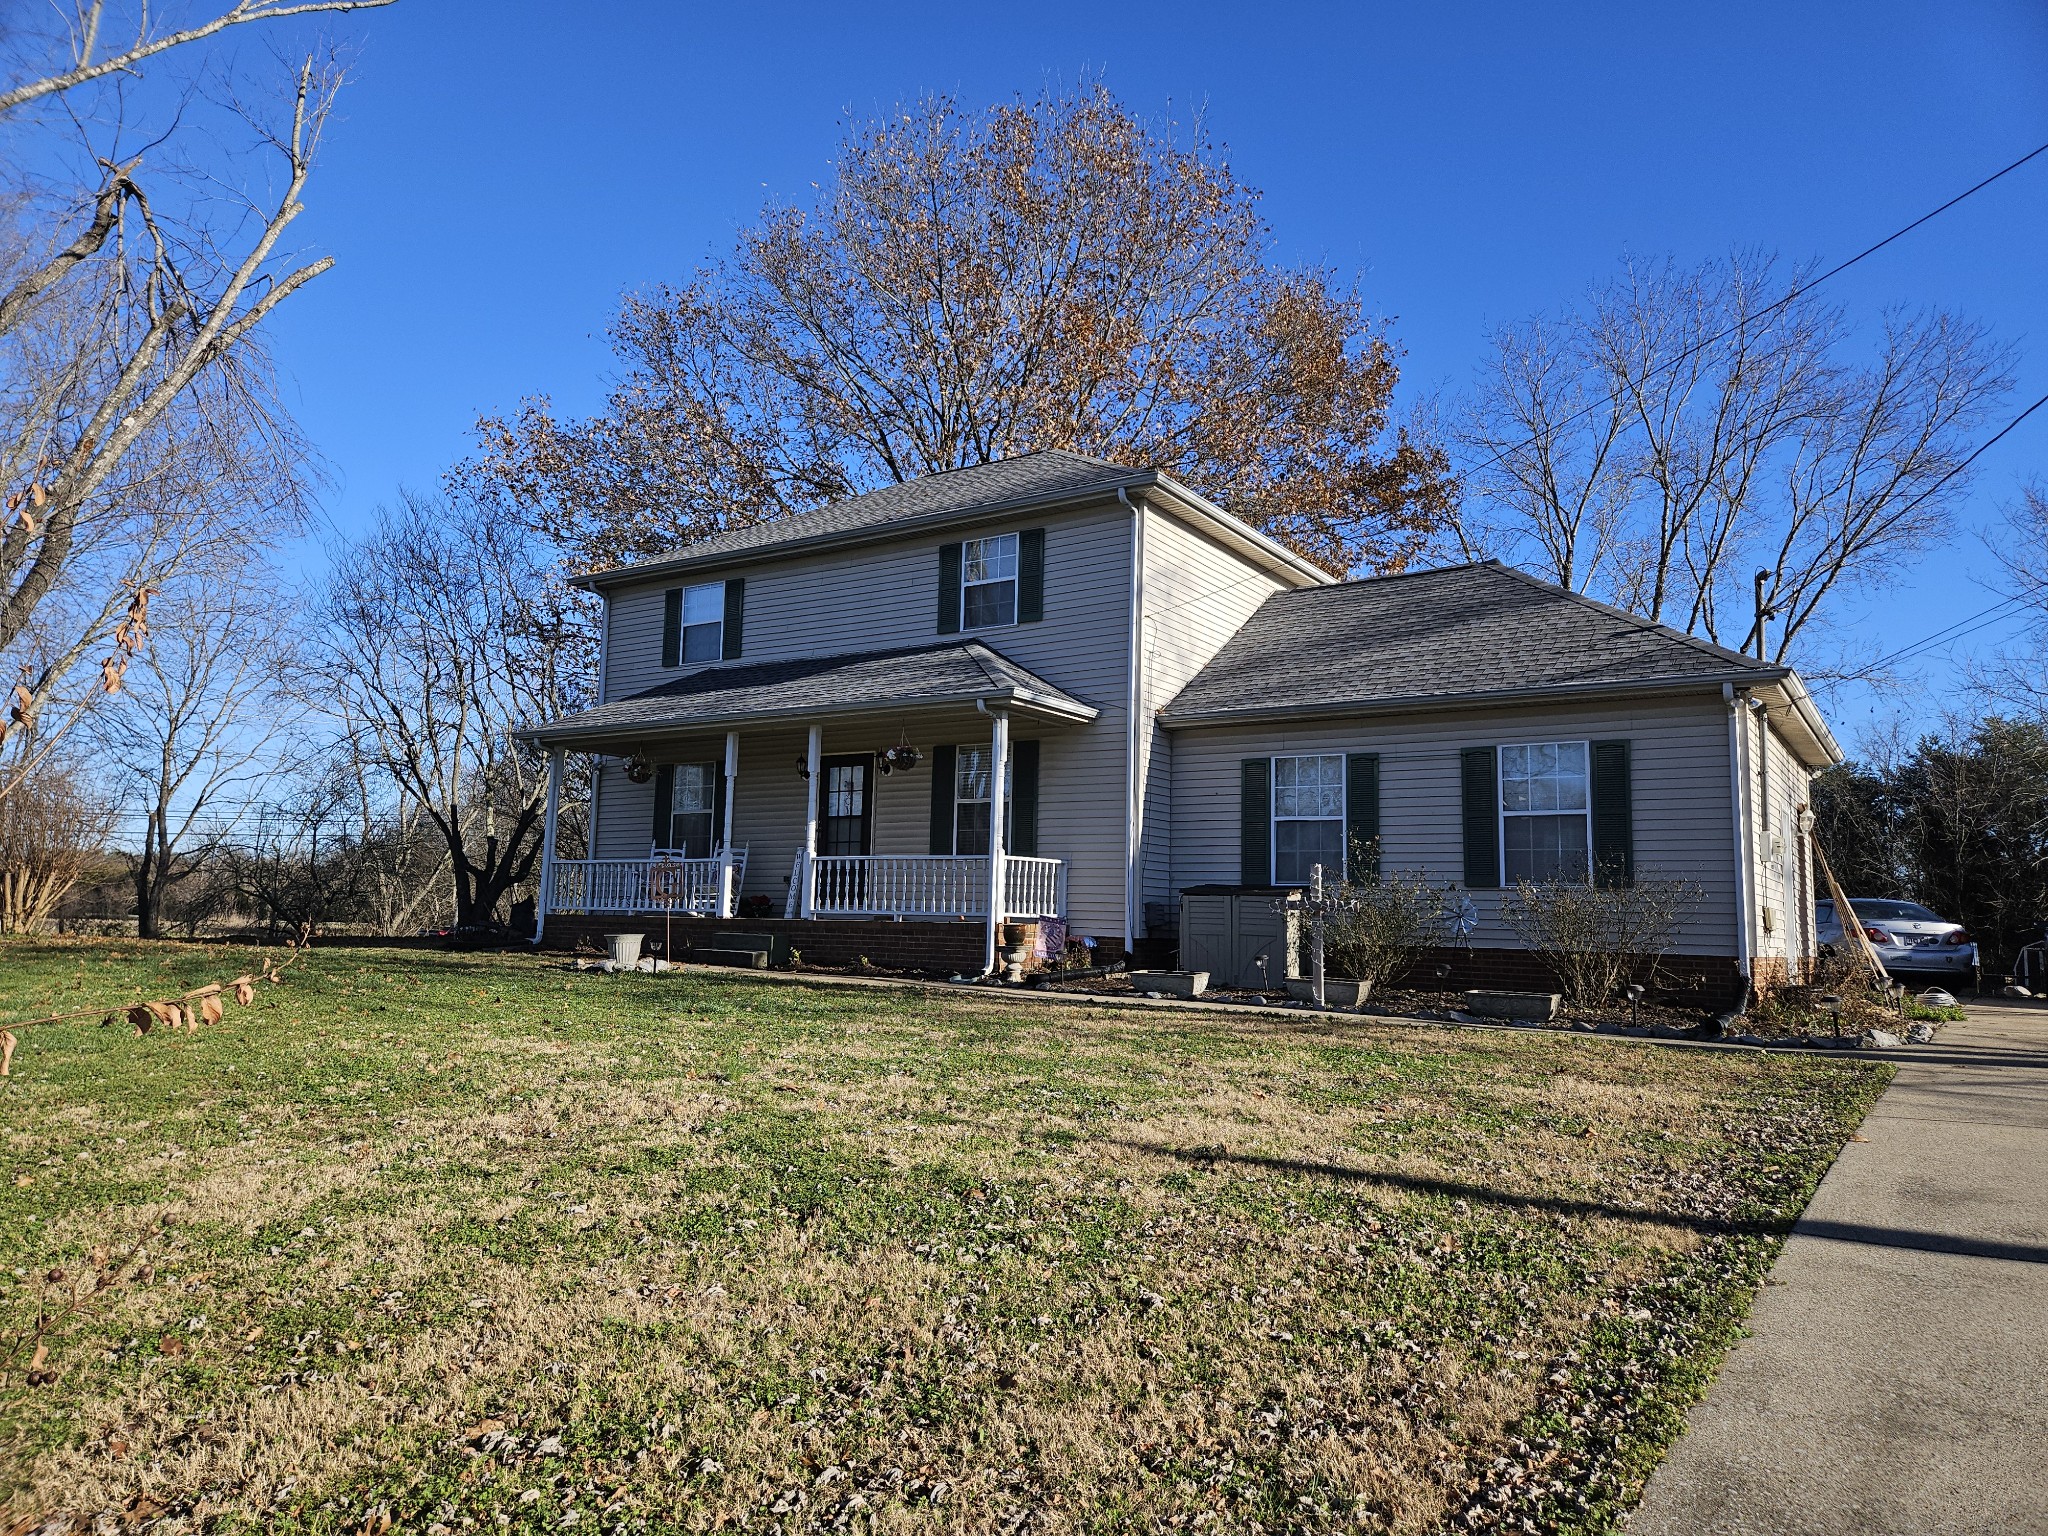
(1056,692)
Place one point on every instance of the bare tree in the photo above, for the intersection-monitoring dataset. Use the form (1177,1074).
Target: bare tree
(446,628)
(128,310)
(205,703)
(1054,273)
(50,834)
(2017,678)
(403,874)
(1686,429)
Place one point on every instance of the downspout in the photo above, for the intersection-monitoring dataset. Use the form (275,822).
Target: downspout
(1134,800)
(1738,794)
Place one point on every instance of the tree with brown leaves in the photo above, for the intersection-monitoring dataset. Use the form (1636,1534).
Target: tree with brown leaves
(1053,273)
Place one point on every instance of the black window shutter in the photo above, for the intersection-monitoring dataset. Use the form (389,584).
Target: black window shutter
(1362,815)
(671,626)
(735,617)
(717,803)
(1482,818)
(949,590)
(1031,576)
(943,765)
(1614,820)
(664,802)
(1024,798)
(1255,821)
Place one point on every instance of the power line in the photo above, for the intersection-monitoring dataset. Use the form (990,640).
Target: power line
(1797,292)
(1988,616)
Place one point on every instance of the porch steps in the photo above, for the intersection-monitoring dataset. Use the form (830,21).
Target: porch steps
(756,951)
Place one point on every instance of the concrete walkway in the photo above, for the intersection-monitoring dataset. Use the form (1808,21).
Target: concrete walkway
(1896,1377)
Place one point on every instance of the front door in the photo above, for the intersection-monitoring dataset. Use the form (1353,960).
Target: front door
(849,806)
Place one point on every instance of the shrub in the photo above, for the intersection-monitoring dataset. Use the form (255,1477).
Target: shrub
(52,827)
(1373,931)
(1595,937)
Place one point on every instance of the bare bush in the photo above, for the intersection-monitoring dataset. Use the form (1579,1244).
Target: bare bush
(1376,929)
(1595,937)
(52,829)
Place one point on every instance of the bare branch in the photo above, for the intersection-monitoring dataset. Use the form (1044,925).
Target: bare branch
(86,68)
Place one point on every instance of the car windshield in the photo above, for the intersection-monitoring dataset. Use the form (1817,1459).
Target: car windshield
(1896,911)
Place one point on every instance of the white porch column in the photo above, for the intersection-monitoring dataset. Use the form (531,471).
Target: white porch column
(813,761)
(726,894)
(999,751)
(547,844)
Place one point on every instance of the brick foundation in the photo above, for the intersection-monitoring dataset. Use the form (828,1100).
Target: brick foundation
(1683,981)
(925,949)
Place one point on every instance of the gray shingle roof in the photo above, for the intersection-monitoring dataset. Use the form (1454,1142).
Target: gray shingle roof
(1463,631)
(810,686)
(1053,475)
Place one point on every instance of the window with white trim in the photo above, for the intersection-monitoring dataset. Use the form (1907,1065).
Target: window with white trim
(1308,817)
(988,582)
(703,632)
(692,803)
(1545,812)
(971,798)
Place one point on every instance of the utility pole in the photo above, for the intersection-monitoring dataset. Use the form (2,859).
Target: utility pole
(1763,611)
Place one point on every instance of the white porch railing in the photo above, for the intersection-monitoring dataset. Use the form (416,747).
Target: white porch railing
(899,885)
(931,885)
(872,885)
(1033,887)
(624,885)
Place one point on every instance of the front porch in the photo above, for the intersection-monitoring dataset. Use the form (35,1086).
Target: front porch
(893,794)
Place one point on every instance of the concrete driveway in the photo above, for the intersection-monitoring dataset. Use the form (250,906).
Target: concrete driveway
(1896,1376)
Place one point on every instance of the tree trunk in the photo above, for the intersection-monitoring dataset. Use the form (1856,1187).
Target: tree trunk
(149,894)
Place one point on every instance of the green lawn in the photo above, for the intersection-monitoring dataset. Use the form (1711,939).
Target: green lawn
(471,1242)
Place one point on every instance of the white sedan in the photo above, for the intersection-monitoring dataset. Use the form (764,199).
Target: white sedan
(1908,937)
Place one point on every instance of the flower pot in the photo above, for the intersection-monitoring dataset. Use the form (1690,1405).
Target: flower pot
(625,949)
(1171,983)
(1336,994)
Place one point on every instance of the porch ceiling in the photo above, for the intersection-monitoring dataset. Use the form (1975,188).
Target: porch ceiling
(809,688)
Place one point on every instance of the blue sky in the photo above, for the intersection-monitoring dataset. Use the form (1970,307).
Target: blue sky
(503,171)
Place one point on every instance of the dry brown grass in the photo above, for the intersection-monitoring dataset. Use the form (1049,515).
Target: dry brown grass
(471,1246)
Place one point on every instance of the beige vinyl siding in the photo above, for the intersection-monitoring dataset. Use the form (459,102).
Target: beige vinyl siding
(1778,793)
(1683,822)
(1197,594)
(884,596)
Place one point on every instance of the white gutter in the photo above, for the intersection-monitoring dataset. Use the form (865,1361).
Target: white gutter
(1133,787)
(1738,794)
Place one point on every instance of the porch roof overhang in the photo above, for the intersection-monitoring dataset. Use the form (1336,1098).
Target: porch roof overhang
(811,688)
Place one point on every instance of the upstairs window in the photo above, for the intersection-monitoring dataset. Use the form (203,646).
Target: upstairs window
(1308,817)
(988,582)
(703,632)
(1545,805)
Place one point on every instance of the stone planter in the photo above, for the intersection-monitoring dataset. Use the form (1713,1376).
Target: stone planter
(625,949)
(1336,994)
(1171,983)
(1539,1006)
